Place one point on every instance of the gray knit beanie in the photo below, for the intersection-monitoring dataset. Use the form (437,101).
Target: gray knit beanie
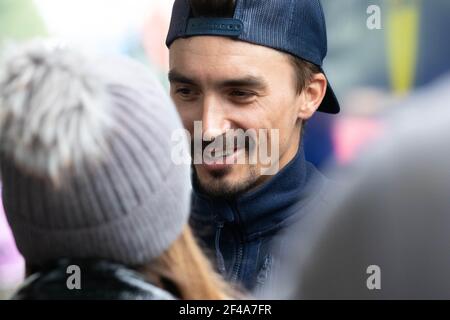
(85,157)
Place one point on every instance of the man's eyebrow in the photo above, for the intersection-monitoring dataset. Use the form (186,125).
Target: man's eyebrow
(175,76)
(248,81)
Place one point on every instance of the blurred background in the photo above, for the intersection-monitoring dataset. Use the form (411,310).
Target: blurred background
(371,70)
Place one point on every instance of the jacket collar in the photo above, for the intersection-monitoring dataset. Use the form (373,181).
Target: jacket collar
(269,206)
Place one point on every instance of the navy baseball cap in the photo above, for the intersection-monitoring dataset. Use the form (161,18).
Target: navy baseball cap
(293,26)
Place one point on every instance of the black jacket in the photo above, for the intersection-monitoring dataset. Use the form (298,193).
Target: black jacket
(99,280)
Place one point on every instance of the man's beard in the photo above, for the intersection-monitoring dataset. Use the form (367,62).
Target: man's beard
(217,185)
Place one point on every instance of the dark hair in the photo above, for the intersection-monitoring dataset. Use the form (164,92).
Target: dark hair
(304,70)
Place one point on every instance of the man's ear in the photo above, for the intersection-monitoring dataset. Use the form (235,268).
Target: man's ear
(312,96)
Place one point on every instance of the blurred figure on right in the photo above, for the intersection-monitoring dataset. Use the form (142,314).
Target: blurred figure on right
(387,233)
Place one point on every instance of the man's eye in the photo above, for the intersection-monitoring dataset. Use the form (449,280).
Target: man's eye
(186,94)
(242,94)
(184,91)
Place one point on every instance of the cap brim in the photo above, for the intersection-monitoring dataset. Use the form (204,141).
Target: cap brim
(330,103)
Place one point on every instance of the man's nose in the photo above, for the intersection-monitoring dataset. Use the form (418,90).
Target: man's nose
(214,119)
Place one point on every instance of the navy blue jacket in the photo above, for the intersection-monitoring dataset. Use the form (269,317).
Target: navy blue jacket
(241,233)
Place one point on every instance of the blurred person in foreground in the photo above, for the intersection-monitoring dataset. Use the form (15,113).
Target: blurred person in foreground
(12,267)
(87,183)
(387,235)
(19,19)
(249,66)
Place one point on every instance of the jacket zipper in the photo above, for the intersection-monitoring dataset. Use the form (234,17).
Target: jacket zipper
(237,266)
(219,256)
(240,250)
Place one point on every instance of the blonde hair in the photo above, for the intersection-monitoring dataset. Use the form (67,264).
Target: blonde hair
(187,270)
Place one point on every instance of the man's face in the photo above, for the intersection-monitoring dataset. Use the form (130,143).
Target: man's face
(228,84)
